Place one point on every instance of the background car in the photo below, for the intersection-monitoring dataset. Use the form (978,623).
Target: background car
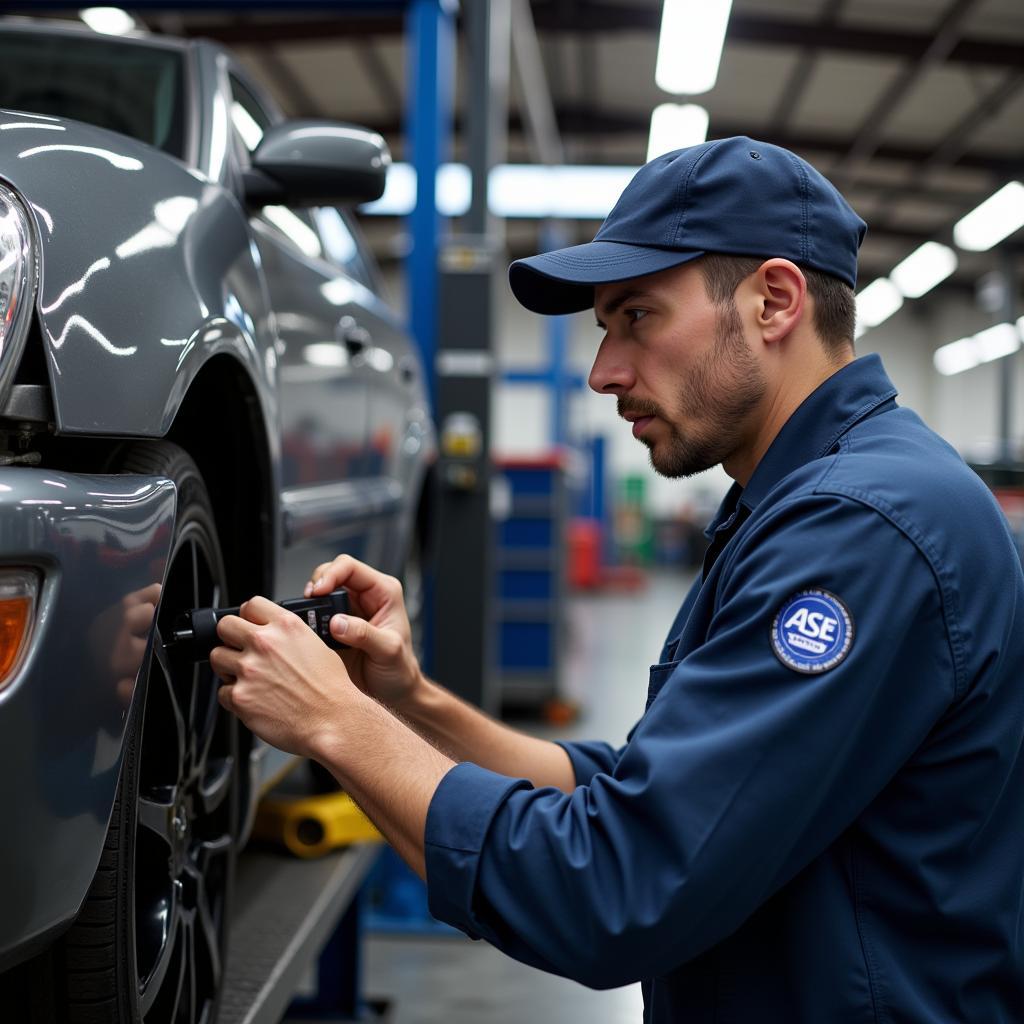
(202,396)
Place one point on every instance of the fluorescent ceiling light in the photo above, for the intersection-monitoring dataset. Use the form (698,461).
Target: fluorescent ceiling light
(453,191)
(690,45)
(877,303)
(996,342)
(111,21)
(955,357)
(992,343)
(996,218)
(514,190)
(674,126)
(923,269)
(399,196)
(577,193)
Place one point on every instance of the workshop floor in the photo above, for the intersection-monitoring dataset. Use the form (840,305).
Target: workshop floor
(612,638)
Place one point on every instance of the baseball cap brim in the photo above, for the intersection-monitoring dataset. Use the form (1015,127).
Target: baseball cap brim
(563,281)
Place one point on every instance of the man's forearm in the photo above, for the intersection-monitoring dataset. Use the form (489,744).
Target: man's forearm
(466,734)
(388,770)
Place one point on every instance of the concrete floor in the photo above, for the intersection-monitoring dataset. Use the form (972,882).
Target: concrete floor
(611,640)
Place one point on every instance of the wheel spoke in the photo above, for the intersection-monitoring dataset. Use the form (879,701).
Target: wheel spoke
(206,928)
(215,787)
(157,814)
(206,730)
(166,678)
(192,1002)
(151,986)
(194,552)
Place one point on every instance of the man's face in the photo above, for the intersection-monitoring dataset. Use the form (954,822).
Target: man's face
(680,367)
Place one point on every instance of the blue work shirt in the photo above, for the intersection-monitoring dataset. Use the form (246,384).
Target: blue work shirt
(818,820)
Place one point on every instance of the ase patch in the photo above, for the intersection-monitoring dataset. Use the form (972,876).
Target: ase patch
(812,631)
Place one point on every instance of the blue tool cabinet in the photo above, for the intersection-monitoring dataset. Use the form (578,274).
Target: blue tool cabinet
(529,561)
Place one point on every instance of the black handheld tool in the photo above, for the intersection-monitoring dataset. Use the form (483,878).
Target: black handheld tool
(195,632)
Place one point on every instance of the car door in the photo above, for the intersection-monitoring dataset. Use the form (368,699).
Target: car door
(392,372)
(328,481)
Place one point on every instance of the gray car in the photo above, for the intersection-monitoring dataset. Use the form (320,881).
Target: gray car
(202,396)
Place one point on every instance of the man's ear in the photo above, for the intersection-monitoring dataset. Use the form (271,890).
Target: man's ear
(782,290)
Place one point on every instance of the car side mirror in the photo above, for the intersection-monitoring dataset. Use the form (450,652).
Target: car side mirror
(317,163)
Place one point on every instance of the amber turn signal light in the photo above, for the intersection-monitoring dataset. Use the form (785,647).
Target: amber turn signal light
(18,590)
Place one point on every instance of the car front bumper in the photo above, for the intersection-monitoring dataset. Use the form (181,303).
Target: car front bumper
(96,543)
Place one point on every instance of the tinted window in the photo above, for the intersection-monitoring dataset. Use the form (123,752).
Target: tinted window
(342,246)
(133,89)
(248,119)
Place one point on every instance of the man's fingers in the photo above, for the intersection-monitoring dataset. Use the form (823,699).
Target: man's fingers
(260,610)
(379,644)
(346,571)
(225,662)
(226,697)
(235,631)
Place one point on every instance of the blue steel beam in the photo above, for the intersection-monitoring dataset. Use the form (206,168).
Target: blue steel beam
(430,40)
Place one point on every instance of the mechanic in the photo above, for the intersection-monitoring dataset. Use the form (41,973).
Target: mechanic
(820,815)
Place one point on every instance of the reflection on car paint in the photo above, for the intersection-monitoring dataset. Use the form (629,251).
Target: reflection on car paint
(31,124)
(76,287)
(169,219)
(122,163)
(75,320)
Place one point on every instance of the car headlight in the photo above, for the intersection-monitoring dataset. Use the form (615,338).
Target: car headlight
(17,285)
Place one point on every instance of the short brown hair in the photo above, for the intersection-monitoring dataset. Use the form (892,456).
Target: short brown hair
(835,307)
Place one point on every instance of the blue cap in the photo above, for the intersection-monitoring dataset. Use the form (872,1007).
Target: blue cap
(732,196)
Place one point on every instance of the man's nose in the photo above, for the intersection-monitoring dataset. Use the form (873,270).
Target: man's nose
(610,374)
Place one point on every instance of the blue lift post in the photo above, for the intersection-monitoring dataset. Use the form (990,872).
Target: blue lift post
(430,31)
(430,87)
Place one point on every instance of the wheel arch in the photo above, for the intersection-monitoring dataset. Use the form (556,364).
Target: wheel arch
(220,423)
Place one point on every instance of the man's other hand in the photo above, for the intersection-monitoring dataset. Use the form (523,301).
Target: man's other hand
(380,659)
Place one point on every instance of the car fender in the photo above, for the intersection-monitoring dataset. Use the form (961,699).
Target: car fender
(146,270)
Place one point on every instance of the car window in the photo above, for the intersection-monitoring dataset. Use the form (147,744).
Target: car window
(249,120)
(130,88)
(342,247)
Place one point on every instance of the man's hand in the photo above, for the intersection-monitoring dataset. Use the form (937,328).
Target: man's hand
(280,678)
(292,690)
(380,660)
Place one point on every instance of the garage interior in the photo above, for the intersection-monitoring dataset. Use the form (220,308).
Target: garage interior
(914,109)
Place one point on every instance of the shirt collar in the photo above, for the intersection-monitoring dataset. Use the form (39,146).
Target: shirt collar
(836,405)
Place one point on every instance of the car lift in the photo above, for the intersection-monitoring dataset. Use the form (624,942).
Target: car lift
(288,913)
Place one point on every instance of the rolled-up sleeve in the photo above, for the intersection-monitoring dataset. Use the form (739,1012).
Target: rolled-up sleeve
(590,758)
(741,771)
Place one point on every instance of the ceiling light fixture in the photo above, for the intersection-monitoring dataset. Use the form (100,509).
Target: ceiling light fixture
(983,347)
(923,269)
(111,21)
(996,218)
(690,45)
(674,126)
(514,190)
(877,303)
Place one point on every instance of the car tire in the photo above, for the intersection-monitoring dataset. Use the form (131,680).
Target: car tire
(149,945)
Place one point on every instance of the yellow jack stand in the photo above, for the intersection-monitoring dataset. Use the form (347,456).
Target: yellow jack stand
(310,826)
